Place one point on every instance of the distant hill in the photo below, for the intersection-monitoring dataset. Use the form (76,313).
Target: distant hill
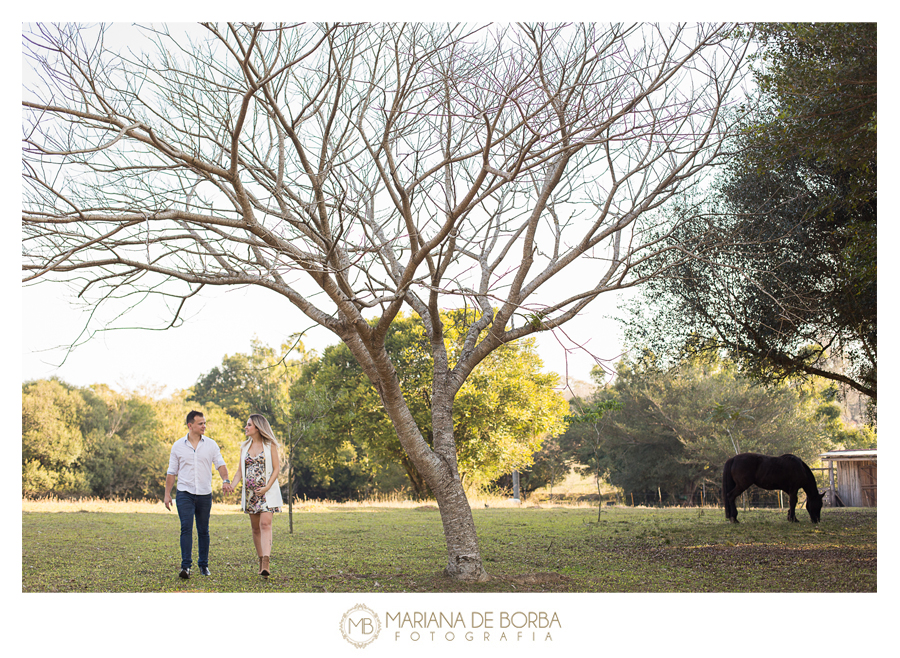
(577,388)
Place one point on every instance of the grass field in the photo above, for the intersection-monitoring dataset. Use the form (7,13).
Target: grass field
(98,546)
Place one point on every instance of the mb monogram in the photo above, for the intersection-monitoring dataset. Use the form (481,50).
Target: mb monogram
(360,626)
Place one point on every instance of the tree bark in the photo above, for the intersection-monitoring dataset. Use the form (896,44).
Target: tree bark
(464,556)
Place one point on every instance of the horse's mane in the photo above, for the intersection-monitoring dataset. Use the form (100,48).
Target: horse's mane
(811,479)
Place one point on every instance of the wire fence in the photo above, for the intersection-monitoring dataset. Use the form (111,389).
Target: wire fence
(705,495)
(702,497)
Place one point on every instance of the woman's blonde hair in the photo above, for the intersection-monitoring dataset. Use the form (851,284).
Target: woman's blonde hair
(265,430)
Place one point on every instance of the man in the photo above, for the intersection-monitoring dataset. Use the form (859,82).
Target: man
(191,460)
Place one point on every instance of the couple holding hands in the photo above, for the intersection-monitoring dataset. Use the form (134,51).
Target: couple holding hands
(191,461)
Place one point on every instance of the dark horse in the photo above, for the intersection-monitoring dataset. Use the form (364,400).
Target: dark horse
(788,473)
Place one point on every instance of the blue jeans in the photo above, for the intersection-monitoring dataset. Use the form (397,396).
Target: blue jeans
(192,506)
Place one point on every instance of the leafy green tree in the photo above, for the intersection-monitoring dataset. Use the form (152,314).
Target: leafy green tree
(794,292)
(257,382)
(326,460)
(549,467)
(306,415)
(505,410)
(677,426)
(818,86)
(52,442)
(586,435)
(858,438)
(96,441)
(125,453)
(502,412)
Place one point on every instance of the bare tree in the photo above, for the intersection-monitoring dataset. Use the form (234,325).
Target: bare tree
(358,170)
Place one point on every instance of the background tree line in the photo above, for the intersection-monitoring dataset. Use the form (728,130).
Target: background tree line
(94,441)
(338,439)
(666,430)
(656,430)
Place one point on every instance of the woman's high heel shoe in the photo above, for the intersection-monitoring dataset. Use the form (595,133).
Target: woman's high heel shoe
(264,566)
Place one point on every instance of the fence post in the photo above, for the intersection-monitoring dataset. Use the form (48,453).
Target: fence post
(831,481)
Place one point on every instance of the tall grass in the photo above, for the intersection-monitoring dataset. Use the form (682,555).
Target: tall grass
(231,504)
(571,493)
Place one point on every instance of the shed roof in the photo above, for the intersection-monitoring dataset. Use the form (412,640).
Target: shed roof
(850,455)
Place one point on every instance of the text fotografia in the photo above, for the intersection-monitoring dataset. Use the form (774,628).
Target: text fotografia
(478,626)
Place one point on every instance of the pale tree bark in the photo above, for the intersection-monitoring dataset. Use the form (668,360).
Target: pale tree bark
(362,170)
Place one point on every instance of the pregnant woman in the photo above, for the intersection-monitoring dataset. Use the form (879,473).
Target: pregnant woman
(261,495)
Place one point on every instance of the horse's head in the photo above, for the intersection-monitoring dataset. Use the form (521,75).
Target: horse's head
(814,504)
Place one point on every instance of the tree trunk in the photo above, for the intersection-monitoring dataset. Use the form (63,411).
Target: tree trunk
(437,466)
(440,473)
(420,487)
(459,527)
(464,557)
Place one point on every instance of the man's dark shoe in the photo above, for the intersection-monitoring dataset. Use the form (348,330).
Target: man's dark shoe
(185,573)
(204,571)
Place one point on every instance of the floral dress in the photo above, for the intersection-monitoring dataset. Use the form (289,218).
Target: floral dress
(255,470)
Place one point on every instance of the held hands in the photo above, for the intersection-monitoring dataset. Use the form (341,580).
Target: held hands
(227,487)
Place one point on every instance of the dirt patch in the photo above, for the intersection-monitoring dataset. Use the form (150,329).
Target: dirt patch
(428,508)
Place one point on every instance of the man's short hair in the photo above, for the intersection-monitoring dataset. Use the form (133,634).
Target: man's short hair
(192,415)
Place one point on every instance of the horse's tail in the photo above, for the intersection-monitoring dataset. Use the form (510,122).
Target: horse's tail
(727,486)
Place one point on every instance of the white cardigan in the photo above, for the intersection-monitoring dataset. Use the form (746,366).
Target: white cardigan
(273,495)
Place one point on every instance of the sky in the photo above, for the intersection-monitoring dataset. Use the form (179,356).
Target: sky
(225,321)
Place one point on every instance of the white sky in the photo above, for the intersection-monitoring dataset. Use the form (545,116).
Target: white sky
(223,323)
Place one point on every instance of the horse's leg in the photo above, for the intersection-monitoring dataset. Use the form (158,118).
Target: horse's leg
(730,506)
(793,500)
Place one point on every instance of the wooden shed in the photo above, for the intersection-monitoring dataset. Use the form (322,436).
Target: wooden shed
(852,477)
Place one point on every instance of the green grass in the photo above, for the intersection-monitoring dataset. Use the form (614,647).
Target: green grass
(383,549)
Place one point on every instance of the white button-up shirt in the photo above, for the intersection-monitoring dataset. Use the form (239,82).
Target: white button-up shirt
(194,467)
